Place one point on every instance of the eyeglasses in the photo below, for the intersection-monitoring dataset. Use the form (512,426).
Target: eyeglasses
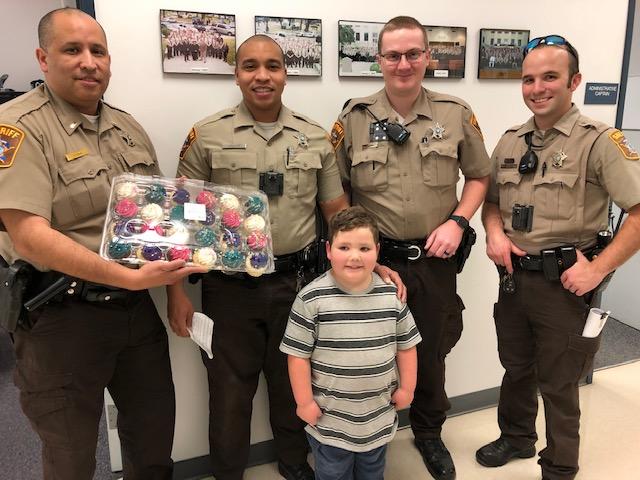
(549,40)
(412,56)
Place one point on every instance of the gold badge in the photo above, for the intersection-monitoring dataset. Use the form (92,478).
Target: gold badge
(337,135)
(476,125)
(558,158)
(187,143)
(623,144)
(10,140)
(75,155)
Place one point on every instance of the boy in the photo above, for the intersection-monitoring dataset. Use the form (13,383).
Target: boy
(346,335)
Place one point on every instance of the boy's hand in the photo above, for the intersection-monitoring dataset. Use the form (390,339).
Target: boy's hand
(309,412)
(402,398)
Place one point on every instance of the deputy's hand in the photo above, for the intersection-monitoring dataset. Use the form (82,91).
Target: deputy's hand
(444,240)
(391,276)
(159,273)
(582,277)
(402,398)
(179,311)
(500,248)
(310,412)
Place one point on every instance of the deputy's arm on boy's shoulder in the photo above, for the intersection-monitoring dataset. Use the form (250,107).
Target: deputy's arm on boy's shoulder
(407,361)
(300,378)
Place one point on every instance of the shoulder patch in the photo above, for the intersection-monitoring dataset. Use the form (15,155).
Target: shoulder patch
(476,125)
(187,142)
(10,140)
(623,145)
(337,135)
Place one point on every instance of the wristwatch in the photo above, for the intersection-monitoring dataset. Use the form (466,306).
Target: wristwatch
(462,222)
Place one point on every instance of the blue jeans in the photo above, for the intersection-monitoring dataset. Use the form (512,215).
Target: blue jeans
(333,463)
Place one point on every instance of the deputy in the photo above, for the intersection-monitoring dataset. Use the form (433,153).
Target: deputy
(550,187)
(400,151)
(259,143)
(65,146)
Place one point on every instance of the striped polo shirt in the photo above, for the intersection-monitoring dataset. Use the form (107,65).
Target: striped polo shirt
(351,340)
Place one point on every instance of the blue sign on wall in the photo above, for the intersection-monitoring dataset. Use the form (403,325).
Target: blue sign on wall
(601,93)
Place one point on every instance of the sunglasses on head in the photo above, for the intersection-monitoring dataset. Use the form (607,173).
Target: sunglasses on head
(549,40)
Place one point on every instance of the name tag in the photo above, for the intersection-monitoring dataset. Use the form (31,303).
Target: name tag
(235,146)
(75,155)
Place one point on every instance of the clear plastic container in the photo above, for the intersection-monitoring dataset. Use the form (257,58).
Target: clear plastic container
(158,218)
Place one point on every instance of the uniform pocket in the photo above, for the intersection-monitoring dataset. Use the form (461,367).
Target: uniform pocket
(555,195)
(301,176)
(139,162)
(86,190)
(234,168)
(580,352)
(44,397)
(369,170)
(453,328)
(439,164)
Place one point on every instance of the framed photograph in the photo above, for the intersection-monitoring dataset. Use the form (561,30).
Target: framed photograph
(448,46)
(501,53)
(357,48)
(301,42)
(196,42)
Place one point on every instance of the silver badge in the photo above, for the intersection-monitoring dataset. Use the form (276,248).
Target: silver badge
(438,131)
(558,158)
(303,141)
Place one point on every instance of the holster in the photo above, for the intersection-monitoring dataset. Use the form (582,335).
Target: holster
(464,249)
(14,282)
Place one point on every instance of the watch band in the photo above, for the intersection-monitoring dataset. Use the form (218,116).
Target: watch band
(462,222)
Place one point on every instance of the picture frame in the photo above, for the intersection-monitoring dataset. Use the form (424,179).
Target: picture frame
(357,48)
(500,54)
(300,40)
(197,42)
(448,48)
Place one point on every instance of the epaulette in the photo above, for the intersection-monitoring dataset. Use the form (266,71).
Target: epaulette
(352,102)
(587,122)
(115,108)
(17,108)
(514,128)
(304,118)
(217,116)
(443,97)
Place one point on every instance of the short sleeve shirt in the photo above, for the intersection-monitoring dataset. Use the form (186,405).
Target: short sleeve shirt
(410,188)
(230,148)
(60,164)
(581,163)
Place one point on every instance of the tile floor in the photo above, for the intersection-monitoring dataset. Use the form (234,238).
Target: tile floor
(610,438)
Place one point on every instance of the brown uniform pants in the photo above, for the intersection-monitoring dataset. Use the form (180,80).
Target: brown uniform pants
(540,345)
(437,310)
(250,317)
(63,365)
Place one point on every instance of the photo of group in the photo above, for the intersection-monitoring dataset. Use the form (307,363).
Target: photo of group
(300,39)
(448,49)
(357,48)
(501,53)
(194,42)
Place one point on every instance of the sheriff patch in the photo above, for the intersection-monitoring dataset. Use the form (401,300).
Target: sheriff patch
(476,125)
(623,144)
(10,140)
(337,135)
(187,143)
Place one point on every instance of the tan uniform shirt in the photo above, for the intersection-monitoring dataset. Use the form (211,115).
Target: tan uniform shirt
(411,188)
(62,167)
(581,162)
(228,148)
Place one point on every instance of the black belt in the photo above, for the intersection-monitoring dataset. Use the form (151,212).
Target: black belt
(531,263)
(54,286)
(305,258)
(406,250)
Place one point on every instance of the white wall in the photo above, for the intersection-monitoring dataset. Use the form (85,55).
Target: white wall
(167,106)
(19,40)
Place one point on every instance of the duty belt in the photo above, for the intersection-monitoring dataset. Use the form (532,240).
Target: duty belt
(532,263)
(305,258)
(407,250)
